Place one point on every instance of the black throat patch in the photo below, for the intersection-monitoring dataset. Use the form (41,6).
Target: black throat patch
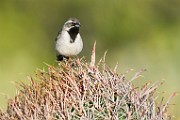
(73,33)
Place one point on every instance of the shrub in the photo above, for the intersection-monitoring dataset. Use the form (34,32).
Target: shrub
(78,90)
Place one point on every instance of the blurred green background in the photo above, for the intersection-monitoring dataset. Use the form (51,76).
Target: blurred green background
(137,34)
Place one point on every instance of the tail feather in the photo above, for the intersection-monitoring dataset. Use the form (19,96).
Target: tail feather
(61,57)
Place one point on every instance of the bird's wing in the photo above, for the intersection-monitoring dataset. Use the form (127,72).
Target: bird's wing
(59,33)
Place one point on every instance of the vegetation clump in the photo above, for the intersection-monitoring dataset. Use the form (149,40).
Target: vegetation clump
(78,90)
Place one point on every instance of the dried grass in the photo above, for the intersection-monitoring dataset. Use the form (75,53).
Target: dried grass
(77,90)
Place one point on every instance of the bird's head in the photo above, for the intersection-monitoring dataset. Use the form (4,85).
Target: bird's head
(72,24)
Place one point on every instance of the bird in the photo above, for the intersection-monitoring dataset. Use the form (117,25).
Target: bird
(68,41)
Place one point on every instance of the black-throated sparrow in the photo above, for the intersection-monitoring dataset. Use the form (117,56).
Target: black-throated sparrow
(69,41)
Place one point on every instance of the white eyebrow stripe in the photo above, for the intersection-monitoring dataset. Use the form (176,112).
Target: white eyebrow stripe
(69,21)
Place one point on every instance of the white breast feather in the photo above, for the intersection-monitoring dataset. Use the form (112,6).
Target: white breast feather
(64,47)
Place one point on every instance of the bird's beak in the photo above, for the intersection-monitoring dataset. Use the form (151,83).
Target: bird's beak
(77,25)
